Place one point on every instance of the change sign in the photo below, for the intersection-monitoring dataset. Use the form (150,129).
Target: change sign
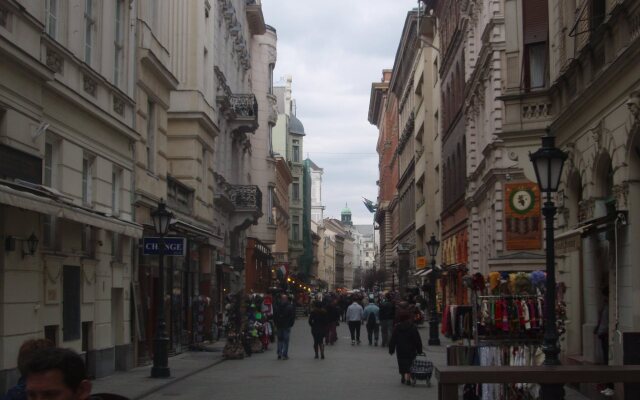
(173,246)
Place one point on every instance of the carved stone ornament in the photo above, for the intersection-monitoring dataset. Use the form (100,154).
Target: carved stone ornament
(596,135)
(90,85)
(118,105)
(54,60)
(621,193)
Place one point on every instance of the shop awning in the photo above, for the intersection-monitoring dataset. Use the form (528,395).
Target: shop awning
(36,198)
(573,232)
(423,272)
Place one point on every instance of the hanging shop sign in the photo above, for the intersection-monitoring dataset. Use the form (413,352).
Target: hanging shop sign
(523,224)
(173,246)
(421,262)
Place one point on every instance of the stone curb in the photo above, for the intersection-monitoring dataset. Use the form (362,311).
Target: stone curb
(175,380)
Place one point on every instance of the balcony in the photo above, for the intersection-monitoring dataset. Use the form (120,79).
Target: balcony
(247,204)
(239,110)
(255,17)
(526,114)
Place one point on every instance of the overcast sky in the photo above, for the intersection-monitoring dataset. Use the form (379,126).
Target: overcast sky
(334,50)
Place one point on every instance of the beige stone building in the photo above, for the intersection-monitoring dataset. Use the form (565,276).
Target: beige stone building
(67,167)
(107,107)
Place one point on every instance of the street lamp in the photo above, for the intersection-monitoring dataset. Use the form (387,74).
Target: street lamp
(432,246)
(547,163)
(161,221)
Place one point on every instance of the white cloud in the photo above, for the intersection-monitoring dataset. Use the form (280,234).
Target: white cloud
(334,50)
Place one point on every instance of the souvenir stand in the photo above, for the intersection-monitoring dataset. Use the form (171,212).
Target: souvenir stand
(507,329)
(456,311)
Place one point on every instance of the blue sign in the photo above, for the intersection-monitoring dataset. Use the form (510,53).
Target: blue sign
(173,246)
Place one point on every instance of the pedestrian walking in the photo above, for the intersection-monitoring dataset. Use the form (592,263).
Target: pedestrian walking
(333,313)
(344,304)
(354,319)
(406,343)
(387,314)
(319,322)
(284,317)
(403,311)
(371,316)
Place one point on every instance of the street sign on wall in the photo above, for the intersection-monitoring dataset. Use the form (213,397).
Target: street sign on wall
(173,246)
(421,262)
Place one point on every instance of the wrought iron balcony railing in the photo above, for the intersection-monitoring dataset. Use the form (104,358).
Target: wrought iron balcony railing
(246,197)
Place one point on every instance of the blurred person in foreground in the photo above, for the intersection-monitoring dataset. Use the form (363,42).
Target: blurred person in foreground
(56,374)
(28,348)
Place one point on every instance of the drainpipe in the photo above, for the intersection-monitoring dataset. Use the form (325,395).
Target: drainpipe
(622,220)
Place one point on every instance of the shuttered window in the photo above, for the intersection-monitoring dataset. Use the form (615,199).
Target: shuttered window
(535,25)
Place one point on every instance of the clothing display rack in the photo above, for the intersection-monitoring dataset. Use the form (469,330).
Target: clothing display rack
(508,317)
(457,322)
(507,330)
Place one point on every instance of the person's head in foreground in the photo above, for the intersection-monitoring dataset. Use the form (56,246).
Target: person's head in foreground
(56,374)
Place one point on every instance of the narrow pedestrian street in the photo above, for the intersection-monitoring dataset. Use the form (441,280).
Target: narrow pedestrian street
(348,372)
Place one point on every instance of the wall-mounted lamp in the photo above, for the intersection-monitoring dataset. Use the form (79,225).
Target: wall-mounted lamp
(31,243)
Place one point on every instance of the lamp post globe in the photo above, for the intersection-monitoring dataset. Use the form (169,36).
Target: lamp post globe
(548,162)
(432,247)
(161,218)
(161,221)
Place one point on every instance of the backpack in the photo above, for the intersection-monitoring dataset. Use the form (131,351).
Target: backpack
(371,319)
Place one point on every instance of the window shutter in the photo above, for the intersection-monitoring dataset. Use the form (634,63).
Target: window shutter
(535,17)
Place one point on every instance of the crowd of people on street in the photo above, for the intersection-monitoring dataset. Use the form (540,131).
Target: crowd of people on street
(389,321)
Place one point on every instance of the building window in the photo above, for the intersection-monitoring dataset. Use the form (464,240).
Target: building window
(295,188)
(151,135)
(116,188)
(535,32)
(296,151)
(118,43)
(295,231)
(536,65)
(48,231)
(87,240)
(87,180)
(271,68)
(270,208)
(270,144)
(179,196)
(366,264)
(89,26)
(52,18)
(118,243)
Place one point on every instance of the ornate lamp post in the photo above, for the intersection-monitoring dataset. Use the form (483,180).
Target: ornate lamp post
(434,338)
(547,163)
(161,221)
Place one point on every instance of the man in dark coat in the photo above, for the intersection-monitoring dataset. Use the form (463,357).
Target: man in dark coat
(387,314)
(407,344)
(284,317)
(334,318)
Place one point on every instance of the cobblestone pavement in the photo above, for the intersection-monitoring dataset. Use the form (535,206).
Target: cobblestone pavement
(348,372)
